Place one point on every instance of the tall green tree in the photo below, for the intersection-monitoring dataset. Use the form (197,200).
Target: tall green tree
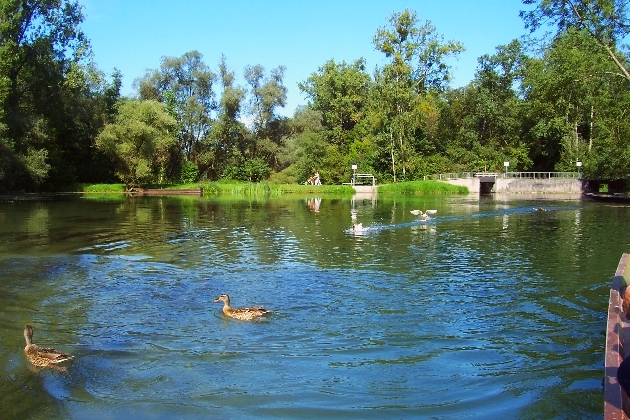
(227,141)
(267,94)
(569,92)
(340,93)
(40,42)
(139,141)
(607,22)
(491,124)
(185,84)
(417,56)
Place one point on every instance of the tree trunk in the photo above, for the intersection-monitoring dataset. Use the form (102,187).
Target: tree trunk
(391,139)
(590,134)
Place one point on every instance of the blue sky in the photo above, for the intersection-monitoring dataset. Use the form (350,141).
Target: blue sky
(133,35)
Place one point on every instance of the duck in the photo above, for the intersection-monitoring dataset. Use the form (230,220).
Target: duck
(423,215)
(357,227)
(244,314)
(43,357)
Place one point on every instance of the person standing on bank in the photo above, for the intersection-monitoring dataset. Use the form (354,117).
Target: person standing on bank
(317,181)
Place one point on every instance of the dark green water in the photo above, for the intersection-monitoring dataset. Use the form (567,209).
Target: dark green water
(489,310)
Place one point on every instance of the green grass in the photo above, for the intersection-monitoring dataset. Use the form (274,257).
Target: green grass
(422,187)
(228,187)
(264,188)
(98,188)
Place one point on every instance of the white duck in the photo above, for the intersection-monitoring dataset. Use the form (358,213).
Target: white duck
(357,227)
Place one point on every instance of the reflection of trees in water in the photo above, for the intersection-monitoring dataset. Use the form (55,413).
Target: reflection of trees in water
(42,291)
(24,396)
(537,265)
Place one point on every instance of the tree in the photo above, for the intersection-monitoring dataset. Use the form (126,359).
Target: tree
(40,42)
(139,140)
(494,111)
(226,143)
(568,93)
(340,93)
(268,128)
(185,85)
(417,65)
(606,21)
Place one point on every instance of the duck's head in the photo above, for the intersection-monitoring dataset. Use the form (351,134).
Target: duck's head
(223,298)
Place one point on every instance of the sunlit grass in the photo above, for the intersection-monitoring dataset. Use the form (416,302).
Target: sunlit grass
(263,188)
(228,187)
(98,188)
(422,187)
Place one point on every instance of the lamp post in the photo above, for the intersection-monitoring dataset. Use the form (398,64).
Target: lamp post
(354,173)
(506,164)
(579,166)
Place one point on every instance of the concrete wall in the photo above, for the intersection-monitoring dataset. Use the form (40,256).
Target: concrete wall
(552,185)
(523,185)
(471,183)
(365,188)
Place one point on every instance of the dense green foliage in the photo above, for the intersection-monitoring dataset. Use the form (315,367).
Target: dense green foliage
(541,105)
(139,141)
(53,100)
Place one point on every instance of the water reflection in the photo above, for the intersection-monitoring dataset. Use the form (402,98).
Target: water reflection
(472,313)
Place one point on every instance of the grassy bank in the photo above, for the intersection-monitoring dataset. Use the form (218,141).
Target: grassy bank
(232,187)
(422,187)
(263,188)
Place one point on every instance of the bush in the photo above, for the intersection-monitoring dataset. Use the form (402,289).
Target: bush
(286,176)
(189,173)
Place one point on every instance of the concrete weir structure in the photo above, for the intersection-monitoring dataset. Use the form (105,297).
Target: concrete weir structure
(362,189)
(359,185)
(517,182)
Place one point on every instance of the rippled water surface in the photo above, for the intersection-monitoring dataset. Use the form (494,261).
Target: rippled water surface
(490,309)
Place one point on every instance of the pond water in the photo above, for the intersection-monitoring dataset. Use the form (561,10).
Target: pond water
(490,309)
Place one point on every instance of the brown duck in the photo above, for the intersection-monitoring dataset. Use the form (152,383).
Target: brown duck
(244,314)
(43,357)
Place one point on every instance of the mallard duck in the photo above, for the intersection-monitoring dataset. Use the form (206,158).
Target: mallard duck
(244,314)
(43,357)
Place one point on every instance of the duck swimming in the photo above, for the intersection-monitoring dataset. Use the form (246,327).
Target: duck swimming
(43,357)
(358,227)
(244,314)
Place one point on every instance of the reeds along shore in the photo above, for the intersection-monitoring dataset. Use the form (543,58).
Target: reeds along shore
(263,188)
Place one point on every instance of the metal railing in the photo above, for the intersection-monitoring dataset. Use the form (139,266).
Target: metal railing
(542,175)
(357,179)
(523,175)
